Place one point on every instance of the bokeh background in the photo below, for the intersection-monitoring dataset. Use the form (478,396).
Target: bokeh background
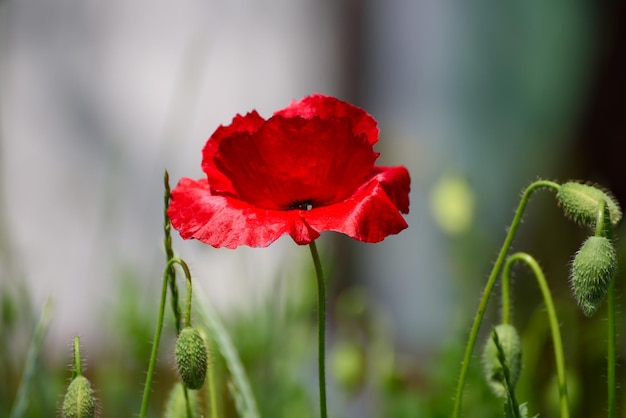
(477,99)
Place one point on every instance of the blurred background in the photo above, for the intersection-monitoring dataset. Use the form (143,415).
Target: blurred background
(477,99)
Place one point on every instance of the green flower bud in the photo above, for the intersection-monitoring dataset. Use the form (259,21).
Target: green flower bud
(594,266)
(191,358)
(492,366)
(580,203)
(79,400)
(176,407)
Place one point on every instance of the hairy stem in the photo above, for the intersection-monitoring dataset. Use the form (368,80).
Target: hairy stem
(458,398)
(157,332)
(557,341)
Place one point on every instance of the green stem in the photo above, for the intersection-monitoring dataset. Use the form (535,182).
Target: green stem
(458,398)
(506,298)
(78,364)
(603,228)
(611,350)
(557,341)
(169,252)
(321,326)
(157,332)
(189,295)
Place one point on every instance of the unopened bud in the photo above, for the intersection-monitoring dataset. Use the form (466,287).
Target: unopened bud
(580,202)
(191,358)
(594,266)
(492,364)
(79,400)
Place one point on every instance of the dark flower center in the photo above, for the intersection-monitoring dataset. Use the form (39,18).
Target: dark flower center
(301,205)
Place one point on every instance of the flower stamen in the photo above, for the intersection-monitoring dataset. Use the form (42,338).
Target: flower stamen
(306,204)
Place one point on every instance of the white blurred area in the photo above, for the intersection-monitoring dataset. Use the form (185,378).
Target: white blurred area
(98,98)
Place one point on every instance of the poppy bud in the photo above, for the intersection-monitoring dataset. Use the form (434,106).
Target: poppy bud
(176,406)
(593,269)
(79,400)
(580,203)
(492,365)
(191,358)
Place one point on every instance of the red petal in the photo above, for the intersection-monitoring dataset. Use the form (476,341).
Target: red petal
(223,221)
(396,182)
(248,123)
(295,160)
(327,107)
(368,216)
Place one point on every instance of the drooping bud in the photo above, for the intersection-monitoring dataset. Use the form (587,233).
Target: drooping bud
(176,407)
(580,202)
(492,365)
(191,358)
(79,400)
(593,268)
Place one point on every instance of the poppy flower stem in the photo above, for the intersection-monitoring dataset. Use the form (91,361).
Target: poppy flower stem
(159,328)
(603,228)
(321,324)
(557,341)
(469,348)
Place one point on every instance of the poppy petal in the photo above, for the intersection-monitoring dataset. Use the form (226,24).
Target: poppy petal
(328,107)
(223,221)
(396,182)
(288,162)
(248,123)
(368,216)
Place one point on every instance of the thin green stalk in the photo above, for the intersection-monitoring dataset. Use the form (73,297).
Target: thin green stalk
(157,332)
(78,363)
(458,398)
(169,252)
(506,299)
(557,341)
(611,380)
(189,295)
(321,326)
(603,228)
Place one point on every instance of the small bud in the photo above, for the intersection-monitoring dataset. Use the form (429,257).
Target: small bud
(580,203)
(191,358)
(176,407)
(492,366)
(79,400)
(594,266)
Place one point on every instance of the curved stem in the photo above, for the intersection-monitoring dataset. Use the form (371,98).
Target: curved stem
(458,398)
(557,341)
(321,326)
(157,332)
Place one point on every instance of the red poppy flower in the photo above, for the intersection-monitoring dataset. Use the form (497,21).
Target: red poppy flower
(308,168)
